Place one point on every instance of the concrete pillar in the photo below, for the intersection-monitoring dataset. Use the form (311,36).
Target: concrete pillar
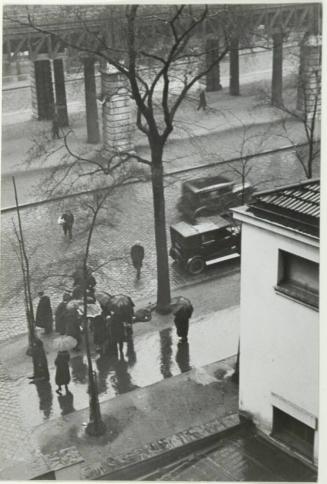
(35,113)
(309,84)
(212,54)
(59,81)
(43,89)
(277,70)
(92,122)
(118,129)
(234,80)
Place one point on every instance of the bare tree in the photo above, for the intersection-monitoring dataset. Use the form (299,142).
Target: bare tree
(179,31)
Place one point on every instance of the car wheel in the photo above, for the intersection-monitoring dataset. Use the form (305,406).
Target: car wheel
(196,265)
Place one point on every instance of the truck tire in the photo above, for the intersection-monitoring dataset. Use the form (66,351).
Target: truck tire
(196,265)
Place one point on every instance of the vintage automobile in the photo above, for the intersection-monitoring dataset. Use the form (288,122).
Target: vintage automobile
(211,195)
(212,239)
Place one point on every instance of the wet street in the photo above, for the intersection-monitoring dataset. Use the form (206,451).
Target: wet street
(149,356)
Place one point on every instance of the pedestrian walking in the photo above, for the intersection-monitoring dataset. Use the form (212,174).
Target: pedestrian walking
(137,256)
(67,221)
(181,321)
(62,370)
(55,125)
(117,332)
(40,362)
(73,326)
(60,314)
(44,318)
(202,98)
(99,332)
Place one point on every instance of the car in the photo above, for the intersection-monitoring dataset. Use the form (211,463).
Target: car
(212,195)
(210,240)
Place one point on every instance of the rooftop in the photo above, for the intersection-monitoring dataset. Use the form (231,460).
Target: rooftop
(296,206)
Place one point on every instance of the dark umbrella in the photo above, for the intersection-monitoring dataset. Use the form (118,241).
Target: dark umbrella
(122,306)
(104,298)
(181,304)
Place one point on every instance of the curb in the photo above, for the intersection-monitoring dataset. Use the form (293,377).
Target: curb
(145,460)
(170,173)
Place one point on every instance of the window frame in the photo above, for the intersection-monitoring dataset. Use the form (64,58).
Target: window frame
(291,289)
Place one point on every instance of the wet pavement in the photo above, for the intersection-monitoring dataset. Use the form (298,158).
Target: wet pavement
(148,358)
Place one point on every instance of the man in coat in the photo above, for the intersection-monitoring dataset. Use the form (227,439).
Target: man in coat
(67,226)
(44,318)
(137,256)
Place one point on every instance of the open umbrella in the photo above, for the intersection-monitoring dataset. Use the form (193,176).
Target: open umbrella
(73,304)
(64,343)
(92,310)
(123,306)
(104,298)
(182,304)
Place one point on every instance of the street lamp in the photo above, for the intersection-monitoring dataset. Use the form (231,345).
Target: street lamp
(96,426)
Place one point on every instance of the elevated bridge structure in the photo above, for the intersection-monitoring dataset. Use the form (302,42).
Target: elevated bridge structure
(49,33)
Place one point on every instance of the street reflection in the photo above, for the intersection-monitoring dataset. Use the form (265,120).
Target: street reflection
(121,380)
(131,355)
(166,352)
(79,369)
(183,357)
(104,366)
(44,392)
(66,403)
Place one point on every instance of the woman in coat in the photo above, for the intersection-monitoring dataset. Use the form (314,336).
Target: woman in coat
(62,370)
(60,314)
(44,318)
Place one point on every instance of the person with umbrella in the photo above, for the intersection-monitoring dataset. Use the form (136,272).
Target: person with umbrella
(63,344)
(121,317)
(182,312)
(137,256)
(44,318)
(62,370)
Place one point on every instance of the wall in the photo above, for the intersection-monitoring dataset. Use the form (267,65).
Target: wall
(279,337)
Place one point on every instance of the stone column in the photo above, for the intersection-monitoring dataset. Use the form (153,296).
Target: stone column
(59,81)
(277,70)
(234,81)
(117,126)
(212,54)
(309,84)
(35,113)
(42,84)
(92,122)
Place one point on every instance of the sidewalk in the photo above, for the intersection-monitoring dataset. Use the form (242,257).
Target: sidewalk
(237,117)
(193,400)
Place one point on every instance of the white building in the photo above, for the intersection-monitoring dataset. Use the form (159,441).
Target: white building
(279,339)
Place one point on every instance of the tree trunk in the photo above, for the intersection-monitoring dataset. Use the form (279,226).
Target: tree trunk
(277,71)
(234,81)
(163,283)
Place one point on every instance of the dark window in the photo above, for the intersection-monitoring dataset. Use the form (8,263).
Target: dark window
(298,278)
(293,432)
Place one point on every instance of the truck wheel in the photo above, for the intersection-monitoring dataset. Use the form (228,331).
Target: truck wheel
(196,265)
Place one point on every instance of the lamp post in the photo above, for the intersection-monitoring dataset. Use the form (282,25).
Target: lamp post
(96,426)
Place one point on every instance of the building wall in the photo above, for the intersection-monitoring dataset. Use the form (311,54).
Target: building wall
(279,337)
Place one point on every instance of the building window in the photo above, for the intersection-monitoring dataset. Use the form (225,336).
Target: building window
(293,432)
(298,278)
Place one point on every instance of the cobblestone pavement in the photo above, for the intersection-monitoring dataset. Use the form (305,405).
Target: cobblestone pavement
(130,216)
(240,458)
(16,444)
